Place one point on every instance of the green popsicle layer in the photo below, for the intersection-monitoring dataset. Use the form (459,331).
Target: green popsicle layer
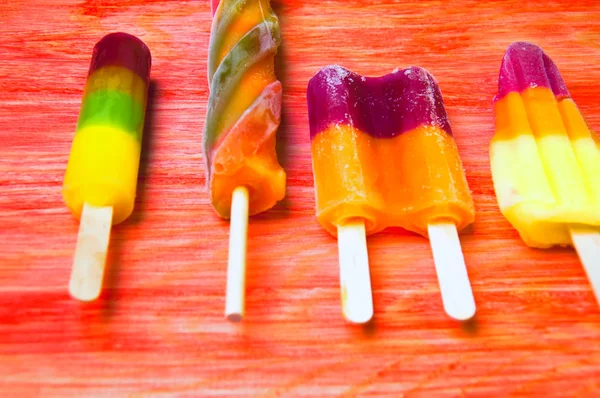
(112,108)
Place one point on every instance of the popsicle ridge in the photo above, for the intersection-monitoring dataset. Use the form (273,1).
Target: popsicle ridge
(382,107)
(244,92)
(545,160)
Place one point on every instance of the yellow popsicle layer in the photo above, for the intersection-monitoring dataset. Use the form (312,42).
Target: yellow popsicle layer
(103,170)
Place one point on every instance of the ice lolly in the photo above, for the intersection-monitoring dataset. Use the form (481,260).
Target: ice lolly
(244,108)
(384,155)
(545,161)
(101,176)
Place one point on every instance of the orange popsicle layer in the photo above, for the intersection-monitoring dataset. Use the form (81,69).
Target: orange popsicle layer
(409,180)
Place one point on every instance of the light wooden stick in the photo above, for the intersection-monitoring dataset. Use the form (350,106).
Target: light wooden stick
(355,280)
(453,279)
(587,243)
(90,253)
(236,267)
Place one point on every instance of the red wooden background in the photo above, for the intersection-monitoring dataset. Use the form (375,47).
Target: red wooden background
(158,329)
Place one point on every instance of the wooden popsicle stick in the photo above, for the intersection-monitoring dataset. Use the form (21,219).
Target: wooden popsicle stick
(236,266)
(90,253)
(587,244)
(355,279)
(453,279)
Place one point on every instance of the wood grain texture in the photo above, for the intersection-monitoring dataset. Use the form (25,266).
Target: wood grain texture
(158,328)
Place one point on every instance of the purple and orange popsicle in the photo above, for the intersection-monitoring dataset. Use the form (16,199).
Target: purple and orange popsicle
(396,162)
(384,155)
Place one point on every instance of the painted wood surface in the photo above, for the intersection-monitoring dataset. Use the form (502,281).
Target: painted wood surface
(158,328)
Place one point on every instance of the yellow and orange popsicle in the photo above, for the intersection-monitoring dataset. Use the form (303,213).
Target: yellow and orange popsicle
(101,177)
(545,161)
(384,155)
(244,111)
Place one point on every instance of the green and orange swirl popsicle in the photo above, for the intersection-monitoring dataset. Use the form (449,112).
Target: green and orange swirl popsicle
(244,108)
(101,177)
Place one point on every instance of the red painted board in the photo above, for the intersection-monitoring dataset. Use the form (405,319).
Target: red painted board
(158,328)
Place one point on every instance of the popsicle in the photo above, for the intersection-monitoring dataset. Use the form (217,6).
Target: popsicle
(545,160)
(383,155)
(101,176)
(243,115)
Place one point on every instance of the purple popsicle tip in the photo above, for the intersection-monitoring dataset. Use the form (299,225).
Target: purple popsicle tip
(525,66)
(122,49)
(382,107)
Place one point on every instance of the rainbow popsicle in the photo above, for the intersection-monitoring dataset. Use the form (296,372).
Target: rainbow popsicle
(545,161)
(243,115)
(101,176)
(384,155)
